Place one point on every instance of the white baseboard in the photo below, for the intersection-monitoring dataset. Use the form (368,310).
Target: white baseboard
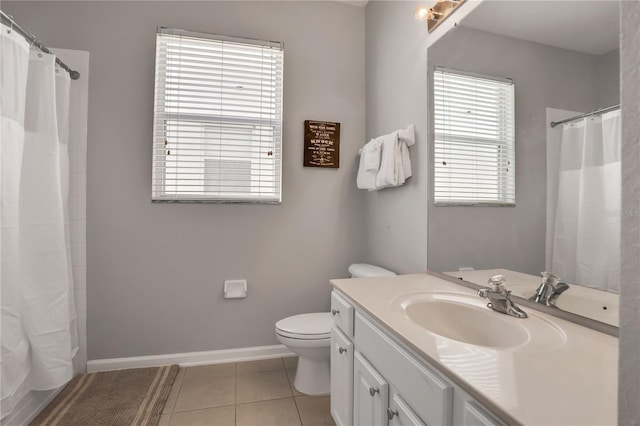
(191,359)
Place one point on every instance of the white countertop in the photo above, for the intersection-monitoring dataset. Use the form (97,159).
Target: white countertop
(573,383)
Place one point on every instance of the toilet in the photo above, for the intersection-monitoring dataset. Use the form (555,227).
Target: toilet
(309,336)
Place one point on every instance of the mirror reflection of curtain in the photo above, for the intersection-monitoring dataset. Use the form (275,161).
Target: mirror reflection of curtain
(586,243)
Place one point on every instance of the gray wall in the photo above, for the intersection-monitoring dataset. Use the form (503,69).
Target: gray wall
(155,271)
(608,79)
(511,237)
(629,377)
(396,218)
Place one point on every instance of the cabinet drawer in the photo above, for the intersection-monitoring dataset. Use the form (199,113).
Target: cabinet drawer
(399,412)
(475,415)
(342,312)
(430,396)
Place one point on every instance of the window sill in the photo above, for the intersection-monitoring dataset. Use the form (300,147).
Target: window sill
(473,204)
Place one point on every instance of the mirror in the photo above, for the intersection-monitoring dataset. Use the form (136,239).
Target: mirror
(563,60)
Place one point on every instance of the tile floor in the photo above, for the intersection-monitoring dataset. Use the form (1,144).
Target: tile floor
(253,393)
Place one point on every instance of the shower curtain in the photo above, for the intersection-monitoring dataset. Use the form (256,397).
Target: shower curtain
(586,247)
(39,335)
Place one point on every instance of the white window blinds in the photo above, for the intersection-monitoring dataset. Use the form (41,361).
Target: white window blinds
(217,119)
(474,139)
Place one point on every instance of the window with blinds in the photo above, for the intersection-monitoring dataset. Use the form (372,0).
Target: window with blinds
(474,139)
(218,119)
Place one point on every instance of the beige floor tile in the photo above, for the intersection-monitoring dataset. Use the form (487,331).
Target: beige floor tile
(212,370)
(220,416)
(290,361)
(291,375)
(206,392)
(262,386)
(248,367)
(181,373)
(164,420)
(172,398)
(278,412)
(315,410)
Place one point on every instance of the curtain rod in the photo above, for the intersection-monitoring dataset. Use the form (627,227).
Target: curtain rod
(589,114)
(33,40)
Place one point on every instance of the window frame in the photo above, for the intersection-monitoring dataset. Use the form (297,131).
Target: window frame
(163,115)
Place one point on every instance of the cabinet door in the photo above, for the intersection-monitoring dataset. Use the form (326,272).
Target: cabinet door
(400,414)
(370,394)
(341,378)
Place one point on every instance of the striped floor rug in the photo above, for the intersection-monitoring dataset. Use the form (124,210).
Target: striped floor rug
(123,397)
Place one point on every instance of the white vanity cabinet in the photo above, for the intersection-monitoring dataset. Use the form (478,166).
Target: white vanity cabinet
(370,394)
(341,377)
(424,390)
(375,403)
(399,413)
(475,415)
(343,314)
(375,380)
(341,360)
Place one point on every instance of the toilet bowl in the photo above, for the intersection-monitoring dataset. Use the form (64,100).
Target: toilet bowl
(309,336)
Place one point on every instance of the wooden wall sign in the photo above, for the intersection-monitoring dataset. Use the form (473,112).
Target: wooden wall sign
(321,144)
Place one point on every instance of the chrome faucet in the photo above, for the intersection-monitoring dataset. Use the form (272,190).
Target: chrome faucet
(500,298)
(550,289)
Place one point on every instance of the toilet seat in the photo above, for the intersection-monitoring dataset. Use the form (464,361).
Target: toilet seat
(316,326)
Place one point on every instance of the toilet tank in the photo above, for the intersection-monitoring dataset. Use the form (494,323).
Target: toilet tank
(364,270)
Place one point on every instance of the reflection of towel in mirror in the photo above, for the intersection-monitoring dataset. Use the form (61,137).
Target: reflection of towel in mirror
(395,163)
(369,164)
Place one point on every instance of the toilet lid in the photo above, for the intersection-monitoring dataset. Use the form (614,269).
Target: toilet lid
(306,326)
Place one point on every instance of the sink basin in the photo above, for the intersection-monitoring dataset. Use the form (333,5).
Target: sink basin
(466,318)
(467,323)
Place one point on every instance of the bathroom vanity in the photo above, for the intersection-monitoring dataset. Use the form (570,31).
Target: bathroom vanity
(416,349)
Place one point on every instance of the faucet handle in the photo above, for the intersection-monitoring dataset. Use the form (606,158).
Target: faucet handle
(561,288)
(553,297)
(496,282)
(549,278)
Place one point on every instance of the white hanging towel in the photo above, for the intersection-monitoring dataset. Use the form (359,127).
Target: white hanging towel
(388,174)
(407,138)
(385,161)
(369,164)
(373,151)
(408,135)
(395,163)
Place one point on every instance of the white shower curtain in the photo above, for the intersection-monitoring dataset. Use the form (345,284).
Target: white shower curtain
(586,247)
(39,336)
